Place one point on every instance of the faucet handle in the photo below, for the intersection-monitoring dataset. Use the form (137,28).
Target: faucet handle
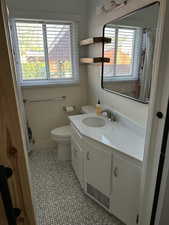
(104,113)
(109,114)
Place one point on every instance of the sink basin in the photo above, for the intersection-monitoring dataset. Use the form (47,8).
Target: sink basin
(94,122)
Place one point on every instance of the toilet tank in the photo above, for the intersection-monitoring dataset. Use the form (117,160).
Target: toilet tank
(87,109)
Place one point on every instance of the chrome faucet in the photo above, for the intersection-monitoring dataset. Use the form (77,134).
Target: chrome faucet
(109,114)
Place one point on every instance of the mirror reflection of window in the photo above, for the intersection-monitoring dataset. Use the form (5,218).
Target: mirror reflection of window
(123,51)
(131,52)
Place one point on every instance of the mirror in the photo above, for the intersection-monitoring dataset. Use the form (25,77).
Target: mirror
(130,51)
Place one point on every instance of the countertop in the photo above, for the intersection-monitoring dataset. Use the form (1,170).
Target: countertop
(114,134)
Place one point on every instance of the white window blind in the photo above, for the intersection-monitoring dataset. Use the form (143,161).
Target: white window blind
(46,51)
(121,51)
(59,50)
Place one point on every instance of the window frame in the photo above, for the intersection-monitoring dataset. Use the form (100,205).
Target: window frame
(135,56)
(74,54)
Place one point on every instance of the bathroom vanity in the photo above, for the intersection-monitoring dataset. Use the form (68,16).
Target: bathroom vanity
(107,160)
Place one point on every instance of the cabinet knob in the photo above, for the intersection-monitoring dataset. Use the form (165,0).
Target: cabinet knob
(116,172)
(159,115)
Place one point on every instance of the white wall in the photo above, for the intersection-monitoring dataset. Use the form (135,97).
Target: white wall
(43,117)
(132,109)
(62,7)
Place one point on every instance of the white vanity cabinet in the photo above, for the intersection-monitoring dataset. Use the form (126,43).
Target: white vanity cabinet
(108,176)
(125,189)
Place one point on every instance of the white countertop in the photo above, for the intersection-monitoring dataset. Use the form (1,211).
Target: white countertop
(114,134)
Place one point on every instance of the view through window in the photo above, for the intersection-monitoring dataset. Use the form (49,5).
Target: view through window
(44,50)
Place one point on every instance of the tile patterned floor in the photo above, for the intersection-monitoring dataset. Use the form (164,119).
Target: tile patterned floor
(57,196)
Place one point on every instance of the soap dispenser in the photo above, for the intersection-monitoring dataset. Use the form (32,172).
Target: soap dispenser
(98,108)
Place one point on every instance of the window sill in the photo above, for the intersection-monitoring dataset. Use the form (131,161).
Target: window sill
(119,79)
(29,84)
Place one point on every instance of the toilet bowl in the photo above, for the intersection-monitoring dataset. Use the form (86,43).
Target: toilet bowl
(62,137)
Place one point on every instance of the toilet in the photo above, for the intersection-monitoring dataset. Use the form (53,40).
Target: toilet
(62,137)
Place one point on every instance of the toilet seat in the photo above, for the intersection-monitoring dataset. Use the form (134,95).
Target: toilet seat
(62,133)
(62,137)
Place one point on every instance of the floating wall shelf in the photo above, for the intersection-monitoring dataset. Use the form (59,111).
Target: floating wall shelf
(93,40)
(94,60)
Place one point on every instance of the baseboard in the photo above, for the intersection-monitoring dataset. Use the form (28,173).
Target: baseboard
(44,144)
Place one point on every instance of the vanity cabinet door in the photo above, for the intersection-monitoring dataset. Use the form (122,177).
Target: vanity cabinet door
(78,161)
(125,190)
(98,169)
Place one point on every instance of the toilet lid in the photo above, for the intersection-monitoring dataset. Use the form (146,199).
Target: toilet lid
(65,131)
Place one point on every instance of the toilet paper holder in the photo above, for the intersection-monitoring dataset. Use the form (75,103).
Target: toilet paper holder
(69,108)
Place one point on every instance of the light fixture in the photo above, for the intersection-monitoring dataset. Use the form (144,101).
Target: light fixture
(108,5)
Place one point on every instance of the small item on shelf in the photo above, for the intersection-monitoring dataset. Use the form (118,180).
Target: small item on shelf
(95,60)
(98,108)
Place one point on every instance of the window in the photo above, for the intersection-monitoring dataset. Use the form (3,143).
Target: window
(46,52)
(123,51)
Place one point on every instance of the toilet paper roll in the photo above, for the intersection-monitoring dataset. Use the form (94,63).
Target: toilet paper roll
(69,108)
